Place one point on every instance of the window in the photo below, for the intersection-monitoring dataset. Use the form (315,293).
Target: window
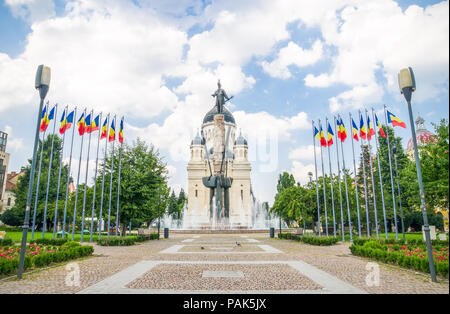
(9,201)
(196,194)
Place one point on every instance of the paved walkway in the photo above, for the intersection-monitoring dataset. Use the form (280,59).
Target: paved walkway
(228,263)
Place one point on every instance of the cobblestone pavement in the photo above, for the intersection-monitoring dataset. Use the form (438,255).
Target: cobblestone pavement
(335,260)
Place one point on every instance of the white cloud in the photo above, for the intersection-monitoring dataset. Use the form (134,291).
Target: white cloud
(305,153)
(31,10)
(13,144)
(292,54)
(300,171)
(377,38)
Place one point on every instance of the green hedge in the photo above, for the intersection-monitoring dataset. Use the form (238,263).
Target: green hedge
(55,242)
(117,241)
(6,242)
(44,259)
(146,237)
(321,241)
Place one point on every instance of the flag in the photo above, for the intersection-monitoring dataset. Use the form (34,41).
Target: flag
(323,141)
(112,132)
(355,130)
(371,130)
(379,127)
(395,121)
(44,119)
(87,124)
(63,124)
(343,131)
(69,120)
(338,123)
(104,129)
(95,124)
(121,132)
(330,135)
(362,128)
(81,125)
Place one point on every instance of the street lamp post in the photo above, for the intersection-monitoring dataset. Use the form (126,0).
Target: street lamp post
(42,83)
(407,86)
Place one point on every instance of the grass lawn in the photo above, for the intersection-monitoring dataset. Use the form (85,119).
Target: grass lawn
(391,235)
(16,236)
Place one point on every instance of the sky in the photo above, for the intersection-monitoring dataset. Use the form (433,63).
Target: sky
(286,62)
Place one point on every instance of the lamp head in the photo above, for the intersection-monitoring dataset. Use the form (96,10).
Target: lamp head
(43,75)
(310,174)
(406,79)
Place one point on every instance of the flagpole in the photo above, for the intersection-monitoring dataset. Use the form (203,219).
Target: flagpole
(371,175)
(356,183)
(118,181)
(346,189)
(111,181)
(59,177)
(317,183)
(37,186)
(365,180)
(381,179)
(331,181)
(86,177)
(95,180)
(339,181)
(103,180)
(44,221)
(68,173)
(399,197)
(78,181)
(392,179)
(324,186)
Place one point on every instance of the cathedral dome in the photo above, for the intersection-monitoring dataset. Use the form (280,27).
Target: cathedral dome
(423,136)
(209,117)
(240,140)
(197,140)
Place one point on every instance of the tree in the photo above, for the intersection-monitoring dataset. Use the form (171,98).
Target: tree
(15,216)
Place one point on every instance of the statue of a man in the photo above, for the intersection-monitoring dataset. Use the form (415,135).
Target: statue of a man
(221,97)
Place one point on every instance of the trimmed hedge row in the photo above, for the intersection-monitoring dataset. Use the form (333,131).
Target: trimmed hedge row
(320,241)
(413,242)
(44,259)
(55,242)
(127,240)
(414,262)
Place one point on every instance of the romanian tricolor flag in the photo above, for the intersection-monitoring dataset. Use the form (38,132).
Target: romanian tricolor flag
(362,129)
(323,141)
(95,124)
(81,125)
(316,134)
(63,124)
(87,123)
(330,135)
(121,132)
(355,130)
(43,119)
(45,122)
(69,120)
(378,124)
(112,132)
(342,130)
(394,120)
(371,130)
(104,129)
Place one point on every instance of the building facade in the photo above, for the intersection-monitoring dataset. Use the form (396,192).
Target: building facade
(4,162)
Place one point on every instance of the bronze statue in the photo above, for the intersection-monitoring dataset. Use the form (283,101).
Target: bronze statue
(221,97)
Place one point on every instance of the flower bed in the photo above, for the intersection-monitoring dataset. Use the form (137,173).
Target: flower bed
(40,255)
(321,241)
(406,255)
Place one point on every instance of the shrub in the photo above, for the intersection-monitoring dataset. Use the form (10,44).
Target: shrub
(6,242)
(70,244)
(146,237)
(117,241)
(55,242)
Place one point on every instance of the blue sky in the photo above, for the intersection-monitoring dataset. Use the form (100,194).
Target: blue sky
(286,63)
